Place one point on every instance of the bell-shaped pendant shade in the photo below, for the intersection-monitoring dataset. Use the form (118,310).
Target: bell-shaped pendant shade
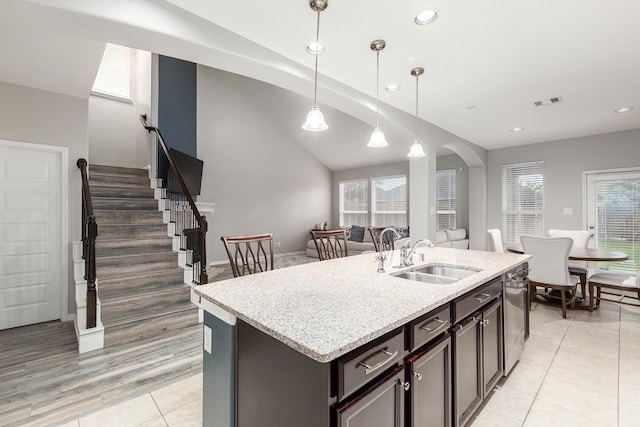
(315,120)
(377,139)
(416,150)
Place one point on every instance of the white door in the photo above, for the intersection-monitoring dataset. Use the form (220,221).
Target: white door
(31,203)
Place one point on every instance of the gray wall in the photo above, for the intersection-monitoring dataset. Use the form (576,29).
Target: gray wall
(454,161)
(260,179)
(116,136)
(564,163)
(390,169)
(40,117)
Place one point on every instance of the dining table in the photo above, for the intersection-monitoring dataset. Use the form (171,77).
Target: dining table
(580,254)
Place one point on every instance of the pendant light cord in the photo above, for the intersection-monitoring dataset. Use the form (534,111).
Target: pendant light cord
(417,108)
(377,88)
(315,88)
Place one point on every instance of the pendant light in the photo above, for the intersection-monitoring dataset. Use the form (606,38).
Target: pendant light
(417,150)
(377,139)
(315,120)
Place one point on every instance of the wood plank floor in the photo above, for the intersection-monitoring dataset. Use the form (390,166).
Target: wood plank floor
(44,381)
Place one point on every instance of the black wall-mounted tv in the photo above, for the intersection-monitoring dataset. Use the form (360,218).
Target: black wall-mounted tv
(190,169)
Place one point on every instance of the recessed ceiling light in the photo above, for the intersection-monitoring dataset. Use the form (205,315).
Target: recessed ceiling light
(425,17)
(311,48)
(623,109)
(392,87)
(517,129)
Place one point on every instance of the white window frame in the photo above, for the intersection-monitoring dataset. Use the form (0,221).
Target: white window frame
(114,75)
(372,204)
(342,211)
(450,175)
(511,194)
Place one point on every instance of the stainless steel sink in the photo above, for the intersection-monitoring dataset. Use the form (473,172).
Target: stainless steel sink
(437,274)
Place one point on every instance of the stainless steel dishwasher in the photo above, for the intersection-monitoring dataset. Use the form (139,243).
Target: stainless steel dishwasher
(516,315)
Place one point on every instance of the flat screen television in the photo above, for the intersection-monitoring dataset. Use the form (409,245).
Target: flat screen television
(190,169)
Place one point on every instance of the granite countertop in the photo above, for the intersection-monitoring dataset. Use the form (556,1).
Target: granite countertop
(326,309)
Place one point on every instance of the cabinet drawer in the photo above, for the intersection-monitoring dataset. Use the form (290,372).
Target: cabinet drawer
(428,327)
(358,369)
(476,299)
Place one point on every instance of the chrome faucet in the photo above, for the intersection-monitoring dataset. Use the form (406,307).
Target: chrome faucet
(406,254)
(382,256)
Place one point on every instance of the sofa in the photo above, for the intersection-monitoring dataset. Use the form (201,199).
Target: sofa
(456,239)
(355,247)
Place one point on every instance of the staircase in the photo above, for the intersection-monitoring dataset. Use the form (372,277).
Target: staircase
(140,284)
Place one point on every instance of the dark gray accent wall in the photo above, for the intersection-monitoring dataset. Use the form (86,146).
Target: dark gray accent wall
(177,95)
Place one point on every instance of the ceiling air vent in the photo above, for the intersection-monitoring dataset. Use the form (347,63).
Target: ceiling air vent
(549,101)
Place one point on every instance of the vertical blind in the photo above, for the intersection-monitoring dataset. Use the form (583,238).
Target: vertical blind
(354,205)
(617,218)
(522,200)
(389,201)
(113,74)
(446,199)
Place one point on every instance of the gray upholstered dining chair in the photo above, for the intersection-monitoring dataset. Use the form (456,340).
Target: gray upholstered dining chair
(621,282)
(580,240)
(548,268)
(495,239)
(249,254)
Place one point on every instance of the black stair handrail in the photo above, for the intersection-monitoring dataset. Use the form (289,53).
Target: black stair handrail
(89,234)
(201,219)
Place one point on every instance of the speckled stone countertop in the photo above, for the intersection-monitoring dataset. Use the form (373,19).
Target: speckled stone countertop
(326,309)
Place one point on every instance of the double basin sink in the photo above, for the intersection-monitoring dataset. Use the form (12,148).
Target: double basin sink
(437,273)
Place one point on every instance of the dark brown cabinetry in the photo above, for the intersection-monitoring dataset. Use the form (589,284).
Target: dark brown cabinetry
(381,405)
(430,371)
(477,348)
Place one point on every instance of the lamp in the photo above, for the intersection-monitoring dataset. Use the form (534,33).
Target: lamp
(315,120)
(377,139)
(416,150)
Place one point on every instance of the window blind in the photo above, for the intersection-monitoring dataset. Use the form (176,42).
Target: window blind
(617,215)
(113,74)
(354,205)
(446,199)
(522,200)
(389,201)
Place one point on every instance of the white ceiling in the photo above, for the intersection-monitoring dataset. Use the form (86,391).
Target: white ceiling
(486,63)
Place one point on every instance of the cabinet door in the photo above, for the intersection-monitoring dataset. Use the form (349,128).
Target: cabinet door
(467,369)
(491,345)
(381,405)
(430,372)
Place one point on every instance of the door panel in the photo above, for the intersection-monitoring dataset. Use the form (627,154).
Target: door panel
(30,234)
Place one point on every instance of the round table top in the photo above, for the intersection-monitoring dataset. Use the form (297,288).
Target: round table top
(581,254)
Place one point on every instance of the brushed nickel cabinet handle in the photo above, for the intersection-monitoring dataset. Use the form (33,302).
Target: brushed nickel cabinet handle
(406,386)
(442,324)
(418,376)
(486,297)
(368,369)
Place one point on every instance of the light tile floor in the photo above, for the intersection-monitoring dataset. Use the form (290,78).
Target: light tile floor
(580,371)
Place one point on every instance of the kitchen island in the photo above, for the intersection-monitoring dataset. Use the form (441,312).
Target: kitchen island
(278,345)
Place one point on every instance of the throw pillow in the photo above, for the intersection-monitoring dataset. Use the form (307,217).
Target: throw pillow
(357,233)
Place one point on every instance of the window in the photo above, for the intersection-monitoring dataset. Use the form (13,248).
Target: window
(389,201)
(354,205)
(522,200)
(446,199)
(613,210)
(113,74)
